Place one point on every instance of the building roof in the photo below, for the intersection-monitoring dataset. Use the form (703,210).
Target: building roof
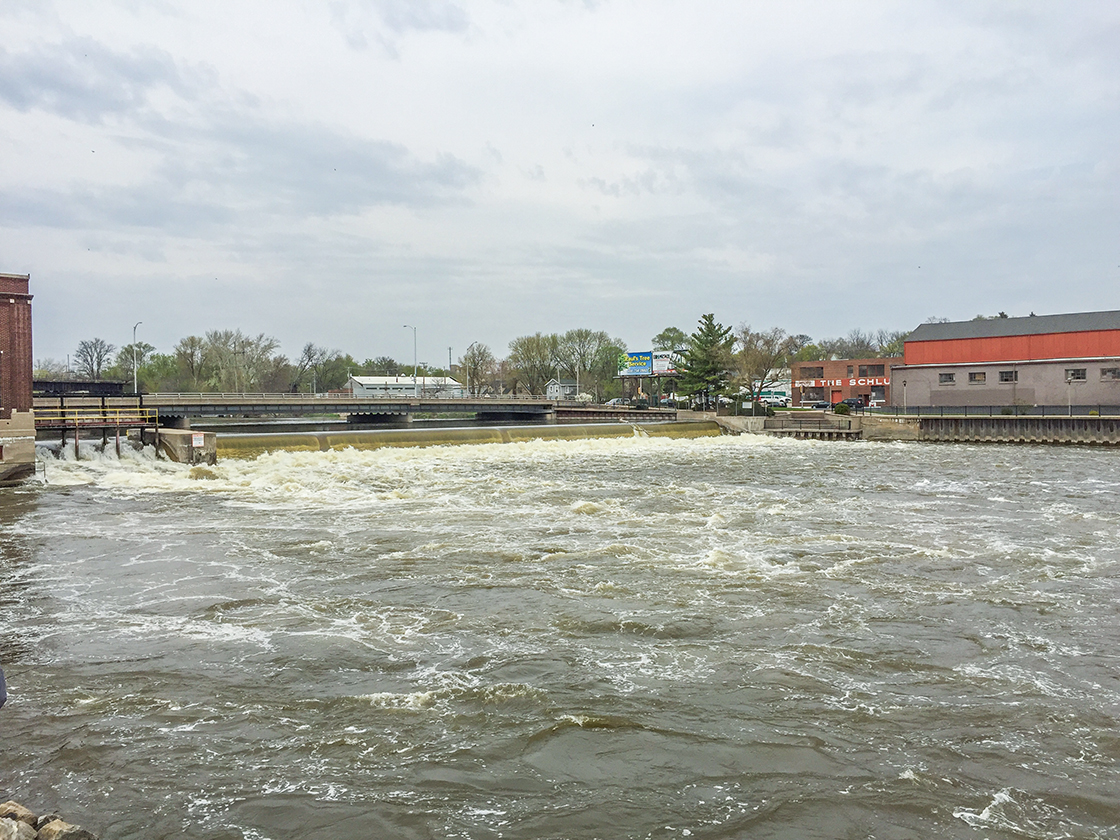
(1030,325)
(381,381)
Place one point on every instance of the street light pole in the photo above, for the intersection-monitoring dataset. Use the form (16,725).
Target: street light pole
(415,386)
(471,370)
(134,326)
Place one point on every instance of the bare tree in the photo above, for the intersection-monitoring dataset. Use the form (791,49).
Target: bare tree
(190,355)
(50,369)
(238,362)
(760,357)
(580,354)
(478,367)
(92,356)
(312,360)
(891,342)
(533,360)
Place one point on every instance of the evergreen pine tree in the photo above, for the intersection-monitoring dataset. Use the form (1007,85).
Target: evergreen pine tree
(706,361)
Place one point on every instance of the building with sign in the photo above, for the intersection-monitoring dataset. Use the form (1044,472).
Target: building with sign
(1037,360)
(17,422)
(833,380)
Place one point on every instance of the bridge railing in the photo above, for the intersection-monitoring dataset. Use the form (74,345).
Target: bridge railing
(108,416)
(286,396)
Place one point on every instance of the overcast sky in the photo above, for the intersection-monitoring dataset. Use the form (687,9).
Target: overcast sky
(330,170)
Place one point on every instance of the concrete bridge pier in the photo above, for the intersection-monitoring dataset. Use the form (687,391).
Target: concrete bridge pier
(183,445)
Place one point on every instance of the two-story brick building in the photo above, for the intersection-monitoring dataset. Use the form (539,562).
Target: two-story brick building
(832,380)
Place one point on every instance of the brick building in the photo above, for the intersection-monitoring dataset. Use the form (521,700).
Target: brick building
(832,380)
(17,424)
(1038,360)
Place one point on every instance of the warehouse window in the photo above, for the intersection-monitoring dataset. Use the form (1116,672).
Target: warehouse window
(946,379)
(977,377)
(1075,374)
(1009,376)
(871,370)
(812,373)
(850,370)
(1110,374)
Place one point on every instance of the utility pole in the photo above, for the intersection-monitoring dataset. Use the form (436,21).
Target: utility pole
(415,367)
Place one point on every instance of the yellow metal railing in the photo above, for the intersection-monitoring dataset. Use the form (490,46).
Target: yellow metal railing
(72,417)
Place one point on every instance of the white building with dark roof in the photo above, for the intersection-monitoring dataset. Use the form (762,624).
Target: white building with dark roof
(430,387)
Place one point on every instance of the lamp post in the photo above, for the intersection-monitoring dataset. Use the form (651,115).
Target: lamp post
(1069,394)
(471,369)
(415,386)
(905,408)
(134,326)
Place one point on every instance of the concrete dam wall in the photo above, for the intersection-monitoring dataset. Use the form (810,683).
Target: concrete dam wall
(252,445)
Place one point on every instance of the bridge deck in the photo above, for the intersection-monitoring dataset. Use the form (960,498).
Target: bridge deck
(297,405)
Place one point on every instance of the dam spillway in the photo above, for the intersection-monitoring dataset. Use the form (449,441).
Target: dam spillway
(252,445)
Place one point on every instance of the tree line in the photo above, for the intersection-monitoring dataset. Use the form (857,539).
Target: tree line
(712,360)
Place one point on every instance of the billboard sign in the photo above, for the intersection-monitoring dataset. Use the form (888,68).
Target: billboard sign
(635,364)
(664,363)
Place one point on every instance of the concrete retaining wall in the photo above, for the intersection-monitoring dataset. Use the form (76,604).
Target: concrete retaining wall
(888,428)
(250,446)
(1086,430)
(17,447)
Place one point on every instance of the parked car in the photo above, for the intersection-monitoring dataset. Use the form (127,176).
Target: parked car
(777,402)
(821,404)
(851,402)
(618,401)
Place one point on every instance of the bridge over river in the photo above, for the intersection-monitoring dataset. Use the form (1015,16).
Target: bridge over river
(177,410)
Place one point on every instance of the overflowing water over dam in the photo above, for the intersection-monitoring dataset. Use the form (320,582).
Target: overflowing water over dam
(635,637)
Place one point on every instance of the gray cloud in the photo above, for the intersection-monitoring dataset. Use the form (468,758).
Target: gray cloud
(362,22)
(82,80)
(746,159)
(251,169)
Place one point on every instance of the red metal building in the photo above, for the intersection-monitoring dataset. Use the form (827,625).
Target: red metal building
(1069,359)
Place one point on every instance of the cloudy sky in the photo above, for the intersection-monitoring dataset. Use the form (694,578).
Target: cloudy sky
(330,170)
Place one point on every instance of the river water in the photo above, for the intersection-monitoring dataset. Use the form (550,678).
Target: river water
(632,638)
